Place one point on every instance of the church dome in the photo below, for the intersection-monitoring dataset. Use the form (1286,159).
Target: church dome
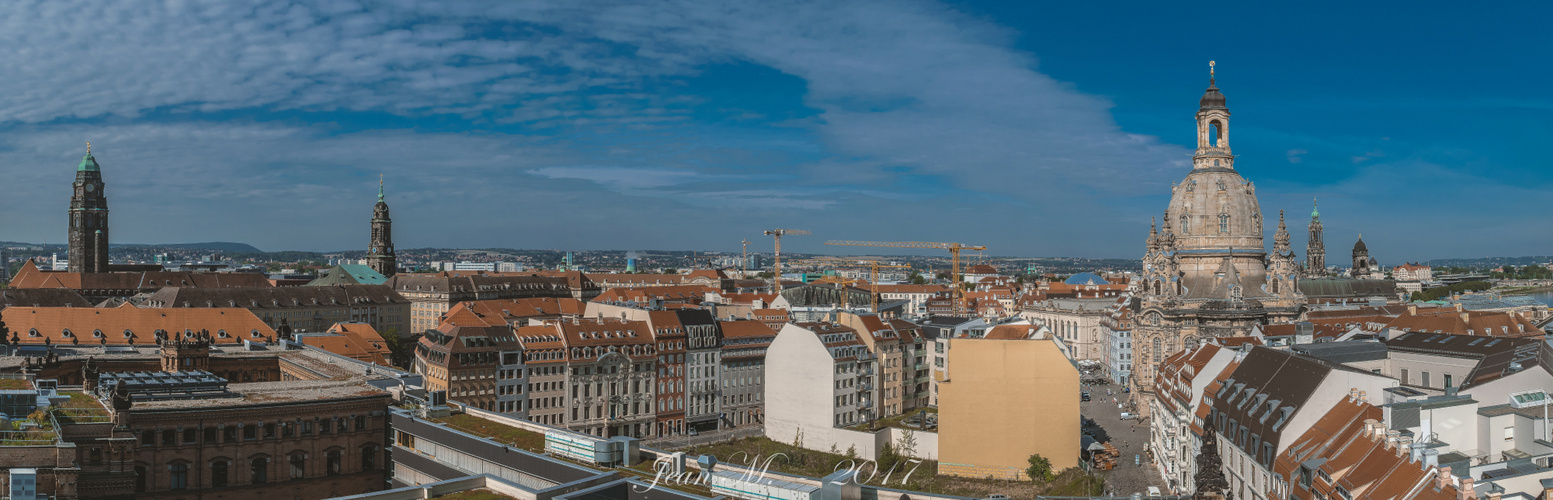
(1360,247)
(1086,279)
(1216,209)
(1212,99)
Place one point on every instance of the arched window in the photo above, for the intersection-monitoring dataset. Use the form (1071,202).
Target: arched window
(1186,225)
(298,462)
(1159,349)
(178,475)
(259,469)
(1157,287)
(1223,223)
(1275,286)
(1215,134)
(219,471)
(369,457)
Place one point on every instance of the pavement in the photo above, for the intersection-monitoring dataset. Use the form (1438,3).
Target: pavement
(1130,437)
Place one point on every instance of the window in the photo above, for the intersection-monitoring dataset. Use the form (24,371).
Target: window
(1404,378)
(1425,379)
(229,434)
(1509,433)
(148,438)
(269,430)
(259,470)
(218,473)
(1223,223)
(298,463)
(369,457)
(361,423)
(191,436)
(210,435)
(178,476)
(332,463)
(140,479)
(1447,381)
(169,437)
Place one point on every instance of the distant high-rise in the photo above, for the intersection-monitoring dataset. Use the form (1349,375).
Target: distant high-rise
(88,219)
(380,254)
(1315,249)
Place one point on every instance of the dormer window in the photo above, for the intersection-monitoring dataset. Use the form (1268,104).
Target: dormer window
(66,333)
(33,333)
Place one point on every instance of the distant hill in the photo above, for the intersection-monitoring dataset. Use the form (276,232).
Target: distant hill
(218,246)
(1485,262)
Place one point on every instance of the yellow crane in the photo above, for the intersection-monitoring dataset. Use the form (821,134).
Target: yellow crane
(778,234)
(954,249)
(873,265)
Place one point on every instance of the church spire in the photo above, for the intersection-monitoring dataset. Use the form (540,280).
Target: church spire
(1315,249)
(380,252)
(1213,128)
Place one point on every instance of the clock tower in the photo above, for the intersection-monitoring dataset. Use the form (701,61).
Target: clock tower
(88,218)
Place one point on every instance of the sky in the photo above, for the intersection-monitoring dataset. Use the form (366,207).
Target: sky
(1034,128)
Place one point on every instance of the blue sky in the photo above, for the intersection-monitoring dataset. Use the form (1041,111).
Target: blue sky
(1036,128)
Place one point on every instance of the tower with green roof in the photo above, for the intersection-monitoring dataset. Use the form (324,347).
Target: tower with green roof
(88,218)
(380,253)
(1315,249)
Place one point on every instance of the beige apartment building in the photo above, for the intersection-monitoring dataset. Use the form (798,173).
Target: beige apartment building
(1007,400)
(901,384)
(431,295)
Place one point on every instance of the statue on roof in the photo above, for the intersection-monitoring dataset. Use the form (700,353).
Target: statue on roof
(121,398)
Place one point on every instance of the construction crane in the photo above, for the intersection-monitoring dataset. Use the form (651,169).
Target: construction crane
(955,293)
(873,265)
(778,234)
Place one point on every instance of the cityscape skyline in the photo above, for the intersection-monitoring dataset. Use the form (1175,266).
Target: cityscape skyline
(741,137)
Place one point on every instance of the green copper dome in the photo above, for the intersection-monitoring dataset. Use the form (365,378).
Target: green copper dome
(88,164)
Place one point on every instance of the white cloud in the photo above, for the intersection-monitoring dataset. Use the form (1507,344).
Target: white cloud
(902,88)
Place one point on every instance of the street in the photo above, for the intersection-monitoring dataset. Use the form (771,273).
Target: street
(1130,437)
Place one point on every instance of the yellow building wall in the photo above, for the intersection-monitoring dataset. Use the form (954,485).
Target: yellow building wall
(1006,400)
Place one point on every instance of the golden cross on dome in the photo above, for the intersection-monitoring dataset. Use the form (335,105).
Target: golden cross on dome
(1210,69)
(88,147)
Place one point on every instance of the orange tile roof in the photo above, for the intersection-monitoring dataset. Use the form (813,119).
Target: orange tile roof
(357,341)
(746,329)
(84,323)
(1011,332)
(1489,323)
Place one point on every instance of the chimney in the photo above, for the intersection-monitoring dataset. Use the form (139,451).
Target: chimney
(1353,394)
(1391,439)
(1464,491)
(1412,309)
(1464,318)
(1404,445)
(1362,398)
(1458,307)
(1431,458)
(1443,478)
(1495,495)
(1369,427)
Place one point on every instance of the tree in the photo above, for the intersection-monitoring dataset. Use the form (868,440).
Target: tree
(1040,469)
(917,279)
(1210,468)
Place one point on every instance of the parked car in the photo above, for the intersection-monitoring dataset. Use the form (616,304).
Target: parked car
(1084,396)
(1128,416)
(1154,491)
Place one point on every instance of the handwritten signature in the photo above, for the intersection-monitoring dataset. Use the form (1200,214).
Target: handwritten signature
(754,469)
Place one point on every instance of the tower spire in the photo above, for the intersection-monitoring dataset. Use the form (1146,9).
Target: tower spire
(379,184)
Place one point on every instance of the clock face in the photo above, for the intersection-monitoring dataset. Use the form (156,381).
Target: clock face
(91,187)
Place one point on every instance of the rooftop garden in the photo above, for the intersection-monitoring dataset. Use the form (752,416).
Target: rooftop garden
(901,421)
(81,409)
(475,495)
(518,438)
(15,384)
